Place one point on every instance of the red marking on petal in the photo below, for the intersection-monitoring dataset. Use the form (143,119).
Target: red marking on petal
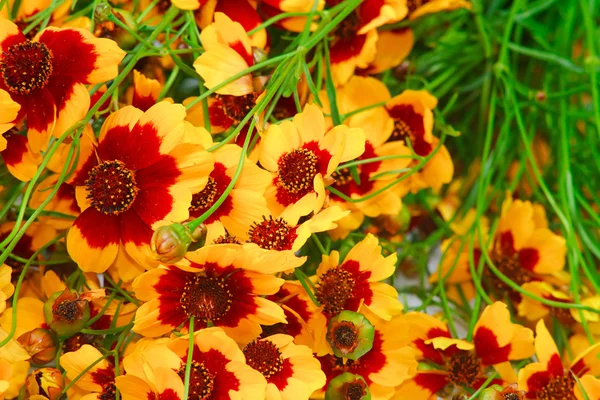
(240,11)
(241,50)
(431,382)
(224,381)
(153,204)
(103,322)
(346,184)
(170,287)
(99,230)
(507,243)
(369,10)
(362,290)
(536,382)
(222,180)
(12,40)
(429,352)
(94,98)
(103,376)
(555,367)
(73,58)
(61,88)
(294,326)
(41,111)
(16,148)
(23,249)
(134,230)
(163,173)
(168,394)
(280,379)
(142,102)
(580,367)
(529,258)
(345,49)
(138,149)
(487,348)
(414,122)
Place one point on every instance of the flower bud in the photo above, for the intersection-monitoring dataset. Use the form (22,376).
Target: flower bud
(41,345)
(348,386)
(47,382)
(350,335)
(170,243)
(102,12)
(66,313)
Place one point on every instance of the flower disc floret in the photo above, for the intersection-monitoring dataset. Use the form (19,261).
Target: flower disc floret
(297,170)
(111,187)
(26,66)
(206,298)
(264,356)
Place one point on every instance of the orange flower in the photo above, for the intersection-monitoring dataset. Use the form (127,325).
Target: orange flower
(139,177)
(47,76)
(496,341)
(218,368)
(216,287)
(549,378)
(291,371)
(302,154)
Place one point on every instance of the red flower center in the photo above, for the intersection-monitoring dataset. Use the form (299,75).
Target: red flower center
(205,298)
(206,197)
(354,390)
(111,187)
(272,234)
(561,387)
(334,289)
(510,266)
(464,369)
(297,170)
(264,357)
(26,66)
(237,107)
(202,382)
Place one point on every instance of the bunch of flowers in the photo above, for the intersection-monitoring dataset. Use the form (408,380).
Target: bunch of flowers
(214,199)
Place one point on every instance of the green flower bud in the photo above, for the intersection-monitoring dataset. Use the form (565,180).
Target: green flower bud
(348,386)
(66,313)
(170,243)
(350,335)
(102,12)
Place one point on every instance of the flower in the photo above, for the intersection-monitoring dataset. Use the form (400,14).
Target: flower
(302,154)
(215,288)
(145,91)
(496,341)
(524,249)
(291,371)
(138,178)
(354,285)
(47,76)
(548,378)
(354,43)
(6,287)
(384,367)
(20,160)
(412,114)
(98,374)
(218,368)
(350,335)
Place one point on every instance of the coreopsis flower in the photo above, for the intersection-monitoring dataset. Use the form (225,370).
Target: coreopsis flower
(138,178)
(47,76)
(384,367)
(245,202)
(548,378)
(303,155)
(496,342)
(6,287)
(419,8)
(216,287)
(218,368)
(412,114)
(354,285)
(98,377)
(359,93)
(354,43)
(291,371)
(533,310)
(524,249)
